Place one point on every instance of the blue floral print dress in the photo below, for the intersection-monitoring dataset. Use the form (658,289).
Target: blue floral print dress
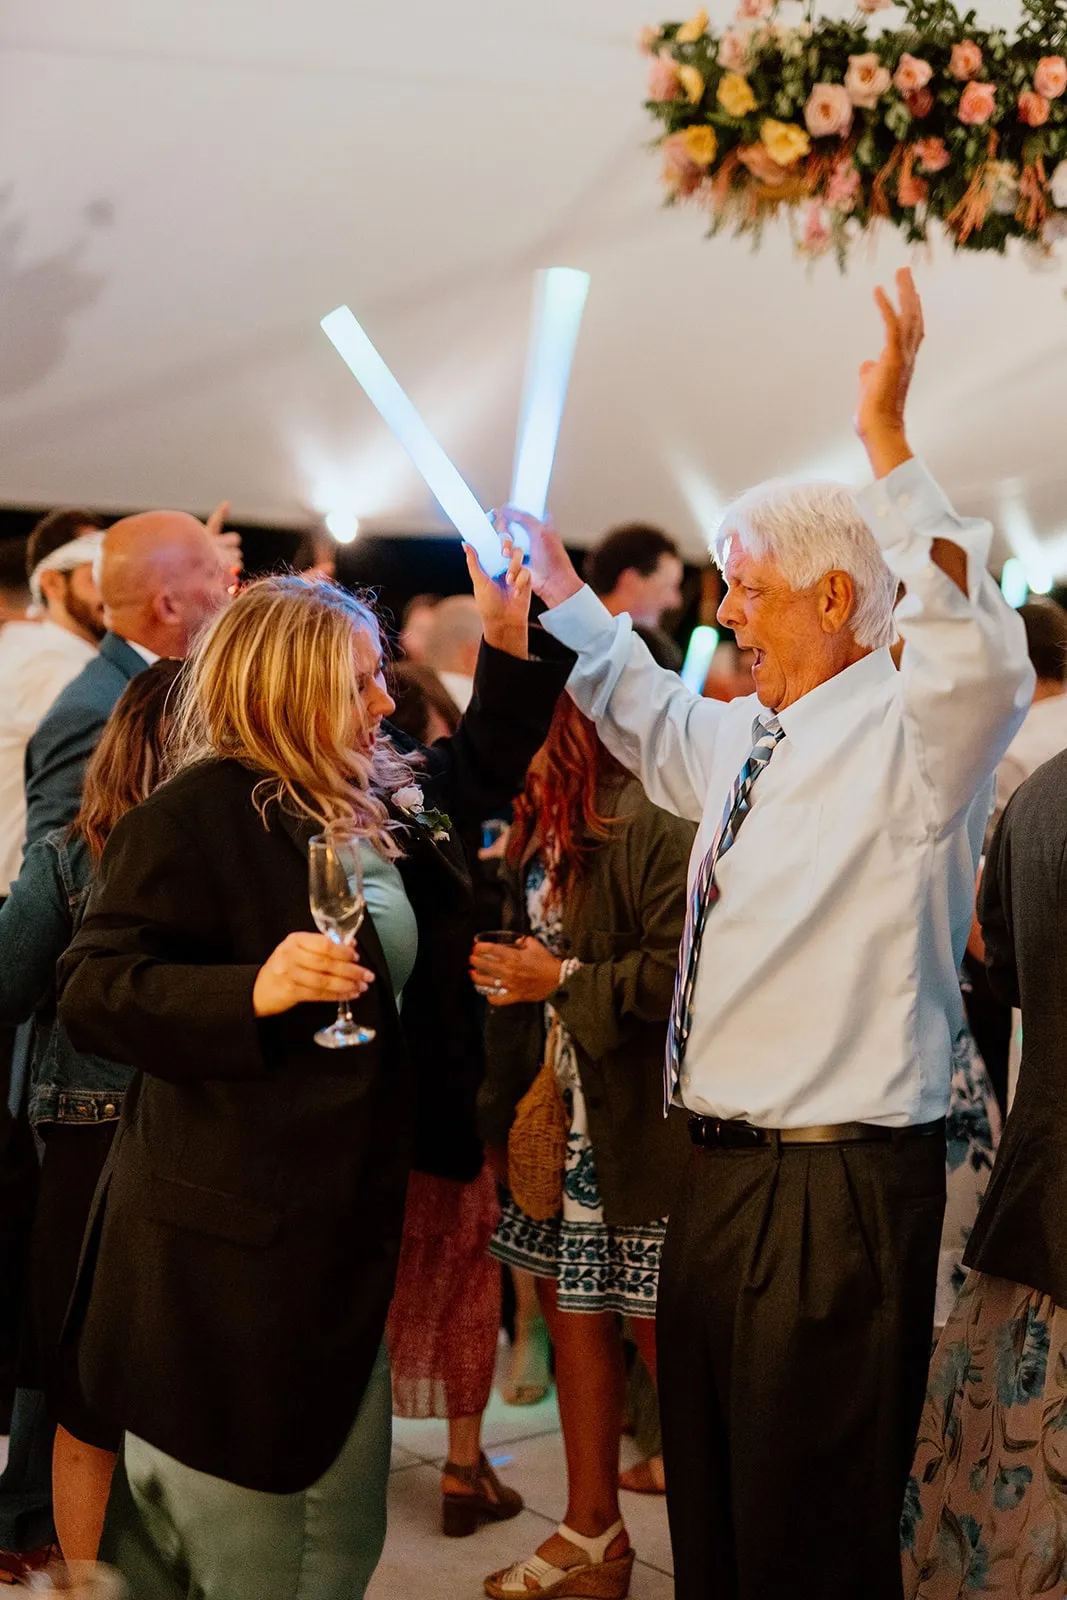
(596,1267)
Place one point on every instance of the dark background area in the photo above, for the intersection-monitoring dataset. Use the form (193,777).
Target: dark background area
(394,568)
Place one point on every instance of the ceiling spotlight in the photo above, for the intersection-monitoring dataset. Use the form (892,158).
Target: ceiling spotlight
(344,525)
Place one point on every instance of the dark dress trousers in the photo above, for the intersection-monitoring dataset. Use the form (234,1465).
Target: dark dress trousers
(624,924)
(240,1264)
(68,734)
(1022,906)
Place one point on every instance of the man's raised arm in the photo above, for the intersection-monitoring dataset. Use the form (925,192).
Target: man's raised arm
(965,671)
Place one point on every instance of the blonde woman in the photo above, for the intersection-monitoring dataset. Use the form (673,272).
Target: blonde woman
(243,1251)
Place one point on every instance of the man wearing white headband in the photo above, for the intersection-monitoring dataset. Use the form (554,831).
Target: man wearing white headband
(38,659)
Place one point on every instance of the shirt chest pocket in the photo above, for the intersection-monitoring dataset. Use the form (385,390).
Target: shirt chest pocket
(770,875)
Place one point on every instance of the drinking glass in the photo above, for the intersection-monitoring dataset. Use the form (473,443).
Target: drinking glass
(495,936)
(335,889)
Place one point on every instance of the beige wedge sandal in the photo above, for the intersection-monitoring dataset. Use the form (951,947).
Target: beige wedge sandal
(591,1579)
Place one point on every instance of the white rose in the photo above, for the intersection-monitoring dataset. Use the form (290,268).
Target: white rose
(410,798)
(1058,187)
(1005,188)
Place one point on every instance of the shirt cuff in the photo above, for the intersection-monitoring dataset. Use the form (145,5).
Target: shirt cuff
(908,510)
(580,620)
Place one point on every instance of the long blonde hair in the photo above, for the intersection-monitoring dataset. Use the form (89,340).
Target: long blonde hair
(273,683)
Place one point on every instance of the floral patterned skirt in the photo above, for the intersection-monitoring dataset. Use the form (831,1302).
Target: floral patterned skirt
(596,1267)
(973,1131)
(986,1508)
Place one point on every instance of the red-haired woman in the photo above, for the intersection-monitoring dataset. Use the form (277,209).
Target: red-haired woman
(595,879)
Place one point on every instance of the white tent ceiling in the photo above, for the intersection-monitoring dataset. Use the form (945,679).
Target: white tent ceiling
(185,188)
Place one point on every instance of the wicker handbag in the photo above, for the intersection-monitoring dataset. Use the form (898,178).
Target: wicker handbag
(537,1143)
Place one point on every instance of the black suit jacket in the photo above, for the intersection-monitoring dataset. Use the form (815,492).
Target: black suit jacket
(240,1261)
(1022,1225)
(68,733)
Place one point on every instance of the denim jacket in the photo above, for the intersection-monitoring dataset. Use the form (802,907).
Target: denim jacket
(37,922)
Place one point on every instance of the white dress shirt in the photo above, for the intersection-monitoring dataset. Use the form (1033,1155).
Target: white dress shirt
(1042,736)
(827,987)
(37,661)
(459,686)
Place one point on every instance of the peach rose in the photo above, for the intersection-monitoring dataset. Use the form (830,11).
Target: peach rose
(735,95)
(1033,109)
(1050,77)
(647,40)
(828,111)
(734,50)
(762,164)
(866,81)
(920,104)
(966,62)
(912,74)
(692,81)
(663,80)
(977,104)
(911,191)
(693,30)
(932,154)
(752,10)
(869,7)
(844,188)
(681,173)
(784,141)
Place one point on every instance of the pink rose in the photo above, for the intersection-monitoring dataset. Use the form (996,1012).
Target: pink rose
(828,111)
(912,74)
(869,7)
(750,10)
(1033,109)
(663,80)
(844,187)
(816,237)
(733,51)
(966,61)
(1050,77)
(932,155)
(911,191)
(920,104)
(647,40)
(866,81)
(977,104)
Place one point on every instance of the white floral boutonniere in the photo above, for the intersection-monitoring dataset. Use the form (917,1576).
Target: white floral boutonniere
(412,802)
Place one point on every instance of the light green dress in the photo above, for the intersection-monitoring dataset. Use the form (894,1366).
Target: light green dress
(213,1540)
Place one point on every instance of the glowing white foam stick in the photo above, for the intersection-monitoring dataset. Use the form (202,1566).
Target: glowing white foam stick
(559,300)
(454,496)
(702,644)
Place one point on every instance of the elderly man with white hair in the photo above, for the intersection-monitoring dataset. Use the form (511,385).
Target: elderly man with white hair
(841,813)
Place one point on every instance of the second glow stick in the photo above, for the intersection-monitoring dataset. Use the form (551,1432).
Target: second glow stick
(559,300)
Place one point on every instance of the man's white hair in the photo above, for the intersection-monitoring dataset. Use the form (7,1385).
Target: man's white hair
(808,530)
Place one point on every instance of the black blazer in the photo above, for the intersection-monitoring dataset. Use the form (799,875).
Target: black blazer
(240,1261)
(1022,905)
(68,733)
(624,925)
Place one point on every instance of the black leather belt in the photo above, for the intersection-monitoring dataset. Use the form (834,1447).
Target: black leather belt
(712,1133)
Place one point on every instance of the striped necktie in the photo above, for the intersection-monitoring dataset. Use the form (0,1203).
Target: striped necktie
(766,732)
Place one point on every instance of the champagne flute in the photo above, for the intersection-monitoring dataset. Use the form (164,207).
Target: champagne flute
(335,890)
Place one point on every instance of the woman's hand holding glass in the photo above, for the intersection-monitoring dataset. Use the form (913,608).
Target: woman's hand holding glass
(308,967)
(511,974)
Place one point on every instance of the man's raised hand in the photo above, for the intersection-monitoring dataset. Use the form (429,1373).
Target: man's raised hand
(884,383)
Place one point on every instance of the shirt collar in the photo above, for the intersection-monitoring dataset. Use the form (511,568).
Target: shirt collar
(146,655)
(842,699)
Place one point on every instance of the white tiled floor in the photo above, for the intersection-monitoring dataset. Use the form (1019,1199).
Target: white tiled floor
(527,1451)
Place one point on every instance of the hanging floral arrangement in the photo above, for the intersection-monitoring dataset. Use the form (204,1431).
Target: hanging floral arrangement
(939,121)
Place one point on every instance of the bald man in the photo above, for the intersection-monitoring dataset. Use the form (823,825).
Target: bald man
(453,641)
(163,575)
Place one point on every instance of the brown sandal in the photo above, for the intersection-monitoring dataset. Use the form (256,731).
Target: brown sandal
(489,1500)
(643,1477)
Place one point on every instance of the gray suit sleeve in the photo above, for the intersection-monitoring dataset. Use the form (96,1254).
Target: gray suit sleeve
(55,767)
